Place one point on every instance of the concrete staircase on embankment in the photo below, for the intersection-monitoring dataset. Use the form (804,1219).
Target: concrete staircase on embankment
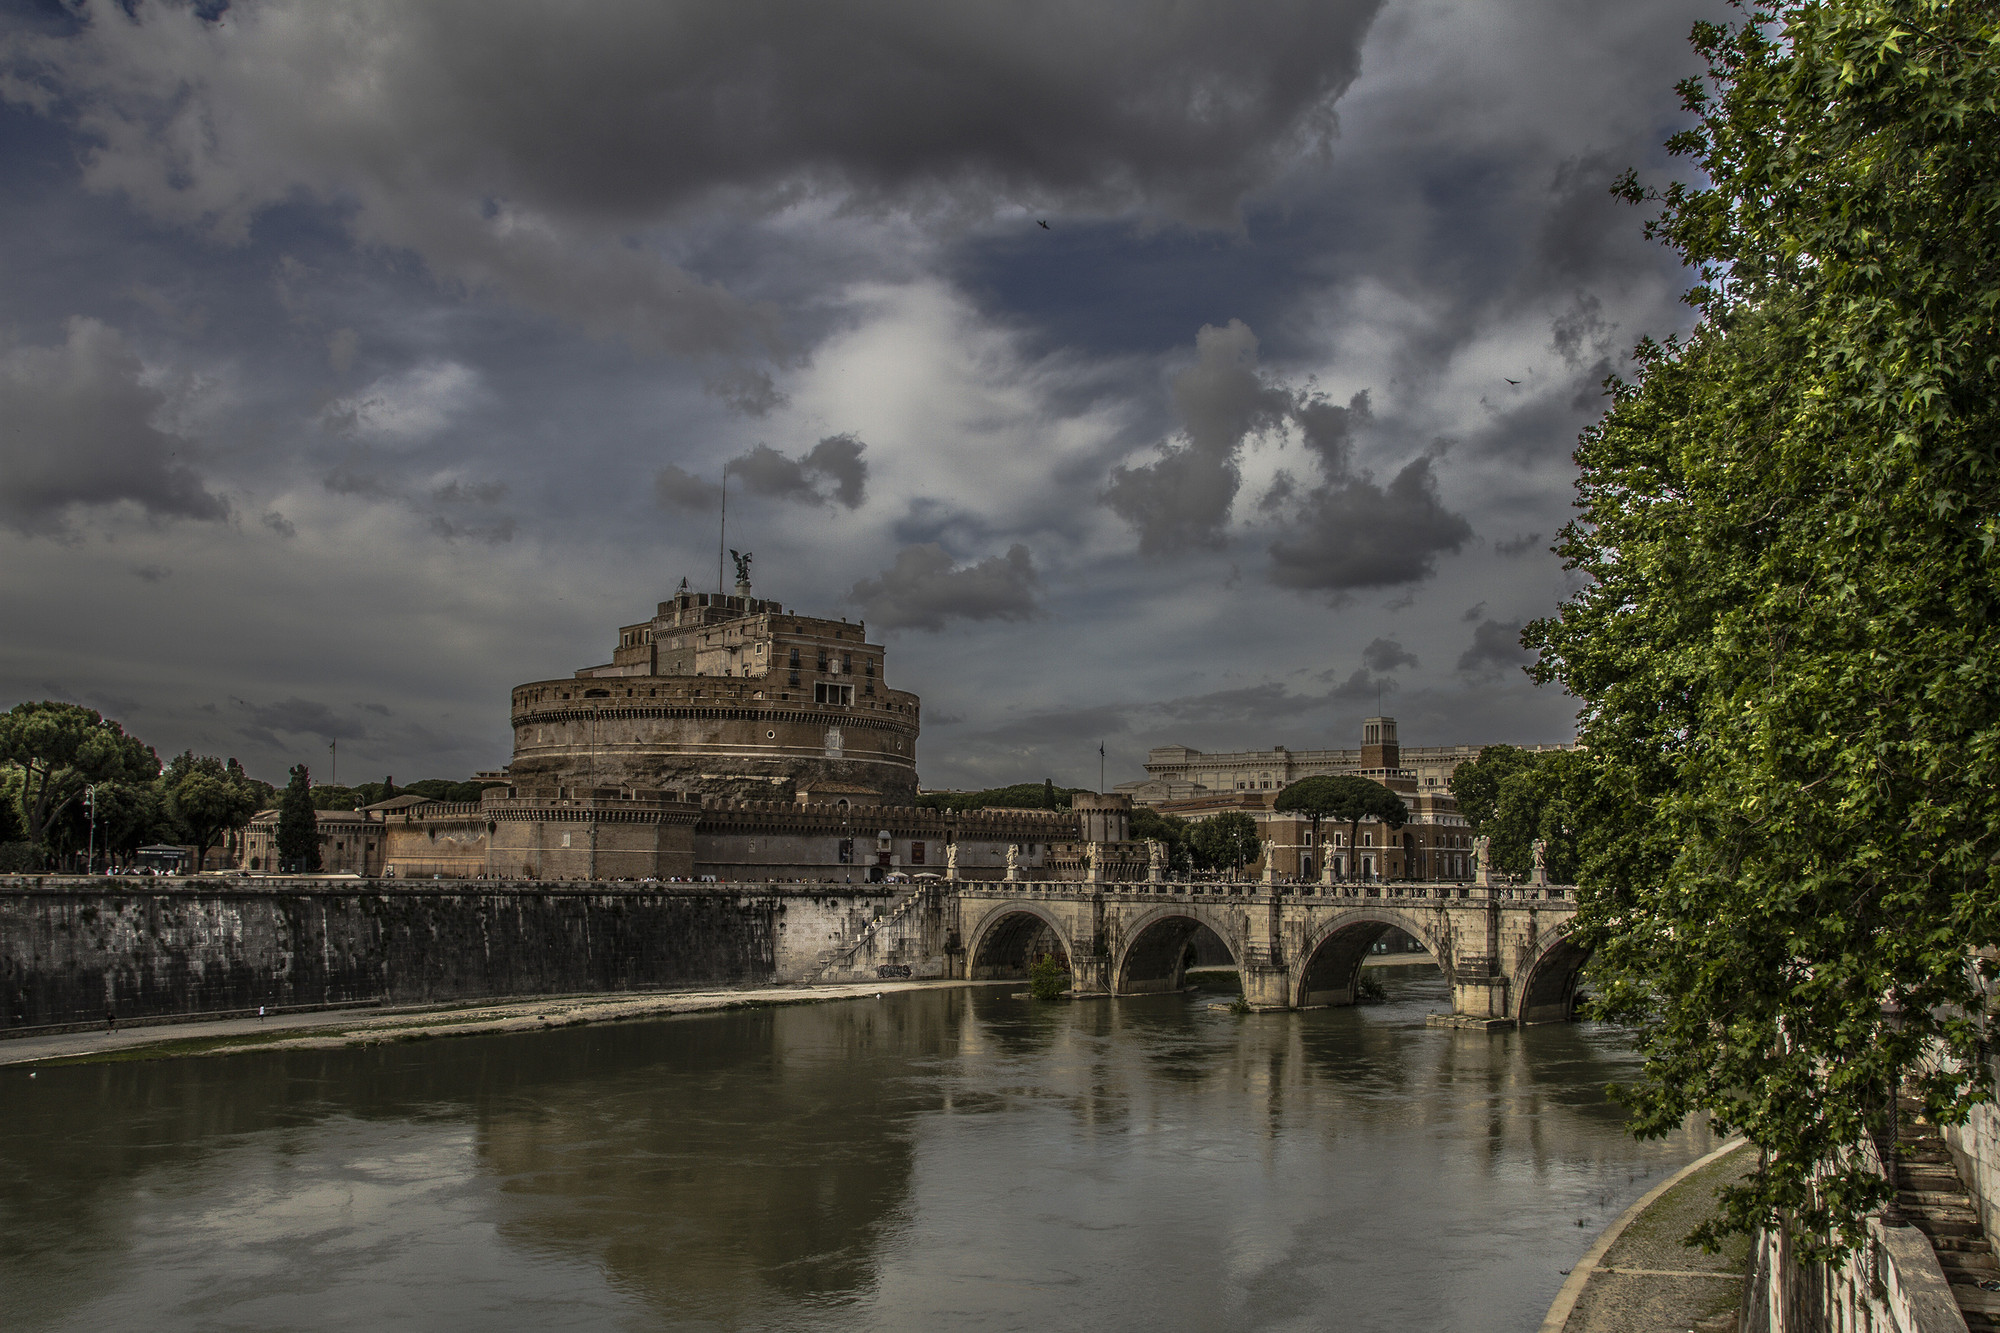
(1936,1202)
(833,963)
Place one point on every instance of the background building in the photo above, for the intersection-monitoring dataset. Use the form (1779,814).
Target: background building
(1178,773)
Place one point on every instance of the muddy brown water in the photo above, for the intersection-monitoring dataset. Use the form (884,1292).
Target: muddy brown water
(943,1159)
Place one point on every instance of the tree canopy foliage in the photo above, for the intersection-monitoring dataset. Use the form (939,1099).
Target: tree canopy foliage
(1475,784)
(326,796)
(1043,795)
(1344,797)
(1786,646)
(1149,824)
(298,825)
(61,749)
(1227,841)
(1520,797)
(208,797)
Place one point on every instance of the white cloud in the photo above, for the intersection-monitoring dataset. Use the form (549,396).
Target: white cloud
(406,408)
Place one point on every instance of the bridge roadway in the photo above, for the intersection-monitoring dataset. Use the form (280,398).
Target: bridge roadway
(1505,949)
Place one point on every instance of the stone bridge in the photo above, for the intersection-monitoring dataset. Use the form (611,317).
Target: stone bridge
(1505,950)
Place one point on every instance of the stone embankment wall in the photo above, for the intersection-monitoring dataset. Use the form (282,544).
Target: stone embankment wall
(71,948)
(1893,1284)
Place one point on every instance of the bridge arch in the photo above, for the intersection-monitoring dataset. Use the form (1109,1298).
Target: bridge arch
(1546,991)
(1330,964)
(1154,943)
(1010,937)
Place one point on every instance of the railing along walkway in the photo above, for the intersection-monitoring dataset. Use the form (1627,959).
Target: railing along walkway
(1342,892)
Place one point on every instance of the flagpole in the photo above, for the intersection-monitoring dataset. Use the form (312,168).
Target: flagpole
(333,777)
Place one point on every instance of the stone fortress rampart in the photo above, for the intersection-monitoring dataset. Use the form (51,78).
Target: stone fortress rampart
(731,696)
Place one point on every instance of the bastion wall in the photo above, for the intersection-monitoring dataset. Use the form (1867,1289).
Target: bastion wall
(713,737)
(71,948)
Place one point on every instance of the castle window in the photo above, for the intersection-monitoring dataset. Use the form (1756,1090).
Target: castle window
(869,668)
(822,659)
(795,675)
(839,695)
(847,663)
(916,853)
(795,661)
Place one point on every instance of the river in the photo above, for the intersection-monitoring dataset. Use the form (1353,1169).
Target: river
(957,1159)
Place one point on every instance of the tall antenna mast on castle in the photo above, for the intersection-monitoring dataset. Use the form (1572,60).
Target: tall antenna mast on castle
(722,533)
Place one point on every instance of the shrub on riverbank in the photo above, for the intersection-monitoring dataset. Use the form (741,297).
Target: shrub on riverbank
(1048,979)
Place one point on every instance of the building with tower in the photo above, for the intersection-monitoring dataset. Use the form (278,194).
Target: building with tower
(725,696)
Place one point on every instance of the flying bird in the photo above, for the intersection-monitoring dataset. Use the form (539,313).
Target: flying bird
(1510,381)
(1043,225)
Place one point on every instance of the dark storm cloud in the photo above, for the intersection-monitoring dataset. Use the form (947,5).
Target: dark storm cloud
(349,480)
(1345,534)
(676,488)
(1519,544)
(747,390)
(492,532)
(835,463)
(1247,711)
(1360,687)
(1182,498)
(151,573)
(77,432)
(924,589)
(1495,647)
(462,492)
(1354,534)
(279,524)
(836,459)
(1026,737)
(461,512)
(1386,655)
(933,521)
(516,150)
(1327,429)
(265,723)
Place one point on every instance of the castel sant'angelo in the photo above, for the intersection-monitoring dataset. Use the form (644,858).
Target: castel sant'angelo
(727,738)
(731,738)
(726,696)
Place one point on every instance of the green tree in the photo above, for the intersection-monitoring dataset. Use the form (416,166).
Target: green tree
(131,815)
(207,798)
(298,825)
(1227,841)
(1048,979)
(326,796)
(1785,644)
(1553,800)
(61,749)
(12,829)
(1149,824)
(1347,798)
(1044,795)
(1475,784)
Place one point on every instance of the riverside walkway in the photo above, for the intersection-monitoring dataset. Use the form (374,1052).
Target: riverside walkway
(1639,1278)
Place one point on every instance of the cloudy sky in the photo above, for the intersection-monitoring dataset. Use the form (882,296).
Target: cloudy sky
(1200,372)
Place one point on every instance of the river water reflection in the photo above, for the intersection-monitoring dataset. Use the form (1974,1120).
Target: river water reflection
(943,1159)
